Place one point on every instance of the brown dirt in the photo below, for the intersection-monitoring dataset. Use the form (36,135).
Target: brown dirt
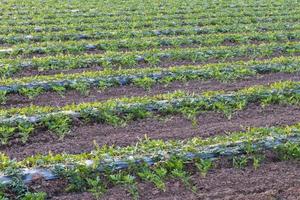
(211,123)
(197,86)
(272,180)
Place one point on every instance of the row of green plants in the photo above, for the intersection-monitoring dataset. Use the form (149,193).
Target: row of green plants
(91,33)
(77,47)
(145,77)
(83,179)
(111,8)
(21,122)
(146,10)
(27,29)
(144,18)
(153,161)
(74,14)
(152,57)
(127,23)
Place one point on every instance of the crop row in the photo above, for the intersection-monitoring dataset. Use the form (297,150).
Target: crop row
(76,47)
(20,122)
(137,22)
(123,34)
(151,160)
(152,57)
(150,10)
(148,15)
(90,30)
(120,24)
(146,77)
(142,17)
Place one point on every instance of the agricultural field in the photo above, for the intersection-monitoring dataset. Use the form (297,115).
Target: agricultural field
(149,99)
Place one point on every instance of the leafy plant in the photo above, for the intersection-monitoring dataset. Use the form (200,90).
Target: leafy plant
(59,124)
(34,196)
(127,180)
(24,130)
(97,188)
(3,97)
(190,114)
(59,89)
(5,133)
(144,82)
(240,161)
(31,93)
(82,87)
(203,166)
(156,176)
(257,159)
(16,186)
(102,85)
(77,177)
(289,151)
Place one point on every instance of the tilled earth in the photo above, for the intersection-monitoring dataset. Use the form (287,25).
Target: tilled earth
(273,180)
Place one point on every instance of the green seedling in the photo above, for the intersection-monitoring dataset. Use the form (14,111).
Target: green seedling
(97,188)
(203,166)
(145,82)
(31,93)
(24,130)
(5,133)
(59,124)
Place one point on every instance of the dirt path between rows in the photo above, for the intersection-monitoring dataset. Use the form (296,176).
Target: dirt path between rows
(211,123)
(197,86)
